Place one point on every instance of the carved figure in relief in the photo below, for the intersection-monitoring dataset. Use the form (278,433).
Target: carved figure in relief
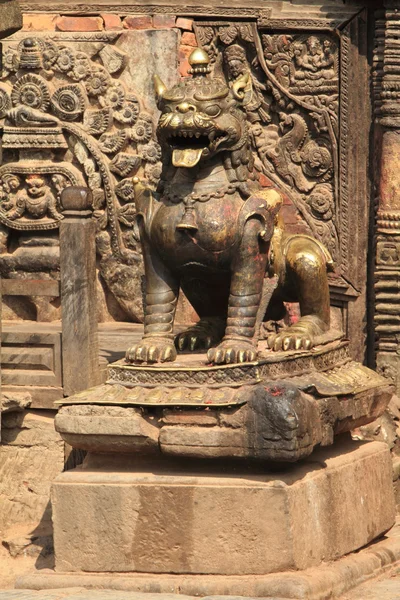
(213,231)
(37,201)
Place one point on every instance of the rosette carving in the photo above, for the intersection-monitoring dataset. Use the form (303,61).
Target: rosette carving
(69,102)
(31,90)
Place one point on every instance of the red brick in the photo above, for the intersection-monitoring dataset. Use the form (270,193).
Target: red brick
(186,24)
(138,22)
(79,23)
(111,22)
(39,22)
(163,21)
(189,39)
(184,53)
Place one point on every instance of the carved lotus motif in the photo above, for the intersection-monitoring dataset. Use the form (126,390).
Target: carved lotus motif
(69,102)
(150,152)
(10,60)
(115,96)
(81,66)
(65,60)
(128,114)
(31,90)
(153,173)
(142,131)
(97,82)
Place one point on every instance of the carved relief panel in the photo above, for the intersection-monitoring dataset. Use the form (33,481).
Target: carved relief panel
(68,118)
(305,136)
(80,108)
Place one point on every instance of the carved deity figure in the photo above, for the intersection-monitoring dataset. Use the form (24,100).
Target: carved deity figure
(212,231)
(37,201)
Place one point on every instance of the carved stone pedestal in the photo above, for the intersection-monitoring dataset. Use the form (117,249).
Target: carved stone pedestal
(187,485)
(217,528)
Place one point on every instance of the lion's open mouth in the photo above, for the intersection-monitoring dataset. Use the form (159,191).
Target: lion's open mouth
(188,146)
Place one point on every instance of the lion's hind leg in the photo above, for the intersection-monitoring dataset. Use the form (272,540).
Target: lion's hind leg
(305,281)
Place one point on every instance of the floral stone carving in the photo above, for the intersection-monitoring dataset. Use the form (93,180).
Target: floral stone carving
(67,118)
(293,111)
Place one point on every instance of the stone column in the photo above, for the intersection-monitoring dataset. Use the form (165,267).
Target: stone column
(387,170)
(80,351)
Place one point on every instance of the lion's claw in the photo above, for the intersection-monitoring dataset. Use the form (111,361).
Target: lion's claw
(290,339)
(151,351)
(231,352)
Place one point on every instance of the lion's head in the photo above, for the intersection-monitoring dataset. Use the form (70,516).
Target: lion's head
(202,115)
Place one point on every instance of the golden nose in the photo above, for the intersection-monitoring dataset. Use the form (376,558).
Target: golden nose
(185,107)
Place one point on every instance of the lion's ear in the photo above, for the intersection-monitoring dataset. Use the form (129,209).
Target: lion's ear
(159,87)
(242,88)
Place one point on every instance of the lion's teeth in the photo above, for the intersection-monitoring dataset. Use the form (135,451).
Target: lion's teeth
(197,134)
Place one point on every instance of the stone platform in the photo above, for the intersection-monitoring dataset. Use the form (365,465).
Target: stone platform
(220,531)
(278,408)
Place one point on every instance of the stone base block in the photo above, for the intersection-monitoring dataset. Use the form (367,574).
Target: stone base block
(317,583)
(207,519)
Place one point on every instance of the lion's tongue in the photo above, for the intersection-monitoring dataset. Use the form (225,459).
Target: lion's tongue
(189,157)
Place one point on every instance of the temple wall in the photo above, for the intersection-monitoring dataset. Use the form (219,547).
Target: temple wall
(102,152)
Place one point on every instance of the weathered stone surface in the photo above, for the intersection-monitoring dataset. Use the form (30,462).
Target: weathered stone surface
(325,581)
(15,401)
(107,428)
(150,51)
(10,17)
(235,523)
(31,455)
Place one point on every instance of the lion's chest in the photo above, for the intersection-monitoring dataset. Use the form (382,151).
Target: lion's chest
(211,244)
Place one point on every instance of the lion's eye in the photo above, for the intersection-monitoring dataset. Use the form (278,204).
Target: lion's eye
(166,109)
(213,110)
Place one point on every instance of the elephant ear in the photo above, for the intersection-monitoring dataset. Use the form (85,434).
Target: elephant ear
(242,88)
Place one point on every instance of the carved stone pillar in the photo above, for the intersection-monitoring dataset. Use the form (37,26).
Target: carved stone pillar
(387,151)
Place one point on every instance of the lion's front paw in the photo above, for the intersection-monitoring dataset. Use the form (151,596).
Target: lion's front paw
(231,351)
(289,339)
(151,350)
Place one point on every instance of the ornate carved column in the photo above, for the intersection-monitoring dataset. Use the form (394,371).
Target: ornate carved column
(387,169)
